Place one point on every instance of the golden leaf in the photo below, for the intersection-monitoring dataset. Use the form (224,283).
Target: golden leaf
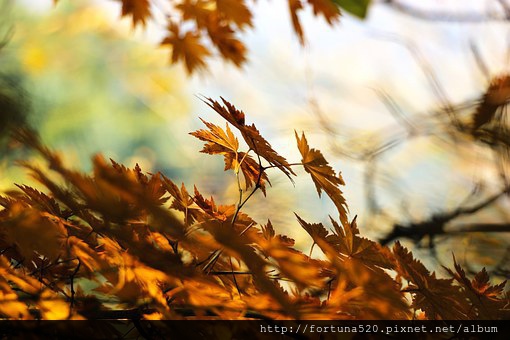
(323,176)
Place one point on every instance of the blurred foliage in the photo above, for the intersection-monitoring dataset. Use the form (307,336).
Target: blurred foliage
(195,29)
(92,87)
(106,239)
(356,7)
(202,259)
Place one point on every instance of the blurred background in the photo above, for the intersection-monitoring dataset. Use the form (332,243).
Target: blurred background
(379,97)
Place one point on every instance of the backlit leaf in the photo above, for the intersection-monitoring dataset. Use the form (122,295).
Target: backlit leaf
(139,10)
(250,134)
(323,176)
(327,9)
(186,47)
(236,11)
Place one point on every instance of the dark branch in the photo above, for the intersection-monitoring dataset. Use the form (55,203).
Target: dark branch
(436,225)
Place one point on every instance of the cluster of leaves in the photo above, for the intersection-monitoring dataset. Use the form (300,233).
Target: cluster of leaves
(120,243)
(197,27)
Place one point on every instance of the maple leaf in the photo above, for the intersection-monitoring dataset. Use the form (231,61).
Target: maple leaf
(88,256)
(496,95)
(345,241)
(294,7)
(252,172)
(315,230)
(348,242)
(481,284)
(302,270)
(152,184)
(357,282)
(436,297)
(182,200)
(139,10)
(236,244)
(32,232)
(327,8)
(208,206)
(219,141)
(268,230)
(41,200)
(250,134)
(224,142)
(486,299)
(187,48)
(323,176)
(269,233)
(231,48)
(196,10)
(235,11)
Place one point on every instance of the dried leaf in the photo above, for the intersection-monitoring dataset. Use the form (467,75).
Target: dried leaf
(182,200)
(139,10)
(327,8)
(225,143)
(187,48)
(438,298)
(231,48)
(294,7)
(323,176)
(488,300)
(496,95)
(251,135)
(348,242)
(219,141)
(235,11)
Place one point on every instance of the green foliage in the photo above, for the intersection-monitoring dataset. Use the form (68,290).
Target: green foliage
(357,7)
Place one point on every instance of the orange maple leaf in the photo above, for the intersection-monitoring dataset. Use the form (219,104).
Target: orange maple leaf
(323,176)
(497,94)
(139,10)
(235,11)
(250,134)
(224,142)
(182,200)
(438,298)
(187,48)
(348,242)
(329,10)
(231,48)
(487,299)
(294,7)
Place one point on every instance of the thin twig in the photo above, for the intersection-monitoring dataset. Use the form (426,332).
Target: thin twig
(72,282)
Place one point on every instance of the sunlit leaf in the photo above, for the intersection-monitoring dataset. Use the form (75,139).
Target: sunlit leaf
(187,48)
(323,176)
(139,10)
